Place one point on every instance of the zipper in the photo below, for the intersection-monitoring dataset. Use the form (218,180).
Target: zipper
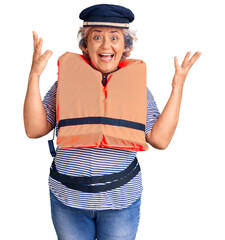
(104,77)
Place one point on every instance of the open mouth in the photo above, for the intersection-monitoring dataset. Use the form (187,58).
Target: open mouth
(106,56)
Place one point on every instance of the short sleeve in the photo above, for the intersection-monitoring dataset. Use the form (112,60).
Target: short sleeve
(49,103)
(152,112)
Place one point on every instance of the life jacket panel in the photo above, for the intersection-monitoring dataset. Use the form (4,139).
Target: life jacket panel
(111,116)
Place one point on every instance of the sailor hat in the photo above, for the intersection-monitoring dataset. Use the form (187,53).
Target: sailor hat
(107,15)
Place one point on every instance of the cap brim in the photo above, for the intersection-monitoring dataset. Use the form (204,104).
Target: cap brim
(106,24)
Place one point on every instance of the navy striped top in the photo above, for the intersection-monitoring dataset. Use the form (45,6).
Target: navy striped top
(95,162)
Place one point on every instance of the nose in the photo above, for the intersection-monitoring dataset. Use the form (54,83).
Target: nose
(106,43)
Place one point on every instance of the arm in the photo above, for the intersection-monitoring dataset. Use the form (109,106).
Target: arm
(35,121)
(165,126)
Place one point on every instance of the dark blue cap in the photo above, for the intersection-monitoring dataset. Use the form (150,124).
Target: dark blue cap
(107,15)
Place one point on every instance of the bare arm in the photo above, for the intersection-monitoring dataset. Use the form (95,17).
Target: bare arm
(35,121)
(164,127)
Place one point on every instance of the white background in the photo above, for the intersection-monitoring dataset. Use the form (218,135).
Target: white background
(184,195)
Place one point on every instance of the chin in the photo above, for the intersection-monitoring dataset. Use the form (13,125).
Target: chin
(107,69)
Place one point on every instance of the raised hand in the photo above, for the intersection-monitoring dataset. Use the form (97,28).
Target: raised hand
(182,71)
(39,61)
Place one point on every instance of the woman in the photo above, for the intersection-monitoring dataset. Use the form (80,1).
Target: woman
(99,108)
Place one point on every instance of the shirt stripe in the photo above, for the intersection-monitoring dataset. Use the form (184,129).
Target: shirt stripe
(96,162)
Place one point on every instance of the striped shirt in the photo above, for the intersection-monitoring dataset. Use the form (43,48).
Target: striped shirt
(95,162)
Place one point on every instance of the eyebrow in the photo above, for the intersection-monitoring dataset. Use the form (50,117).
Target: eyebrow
(101,31)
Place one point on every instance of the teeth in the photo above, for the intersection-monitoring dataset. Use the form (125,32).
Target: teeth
(106,55)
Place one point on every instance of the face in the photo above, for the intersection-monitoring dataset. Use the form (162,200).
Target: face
(105,46)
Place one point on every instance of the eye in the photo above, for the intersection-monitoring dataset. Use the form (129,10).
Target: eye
(97,38)
(114,38)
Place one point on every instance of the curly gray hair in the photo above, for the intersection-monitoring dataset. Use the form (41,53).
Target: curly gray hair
(129,39)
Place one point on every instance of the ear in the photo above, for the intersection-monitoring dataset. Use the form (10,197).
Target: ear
(126,53)
(84,49)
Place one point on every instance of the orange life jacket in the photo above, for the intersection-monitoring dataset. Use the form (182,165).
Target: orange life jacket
(94,110)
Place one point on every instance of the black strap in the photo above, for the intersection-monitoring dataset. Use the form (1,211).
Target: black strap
(101,120)
(80,183)
(51,145)
(106,187)
(92,180)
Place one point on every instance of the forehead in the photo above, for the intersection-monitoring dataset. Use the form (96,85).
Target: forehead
(106,30)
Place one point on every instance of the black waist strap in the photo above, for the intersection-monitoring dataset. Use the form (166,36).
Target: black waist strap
(81,183)
(101,120)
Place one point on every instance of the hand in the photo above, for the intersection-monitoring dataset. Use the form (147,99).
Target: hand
(39,61)
(182,71)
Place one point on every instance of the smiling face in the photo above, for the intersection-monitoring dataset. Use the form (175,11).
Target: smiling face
(105,46)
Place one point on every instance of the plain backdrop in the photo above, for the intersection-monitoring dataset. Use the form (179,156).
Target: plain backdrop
(184,185)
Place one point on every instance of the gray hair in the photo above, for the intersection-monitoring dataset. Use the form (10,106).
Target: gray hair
(129,39)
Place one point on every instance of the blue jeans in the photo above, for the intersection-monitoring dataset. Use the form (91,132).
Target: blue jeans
(78,224)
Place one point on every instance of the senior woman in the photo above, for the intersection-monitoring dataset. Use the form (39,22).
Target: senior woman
(103,114)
